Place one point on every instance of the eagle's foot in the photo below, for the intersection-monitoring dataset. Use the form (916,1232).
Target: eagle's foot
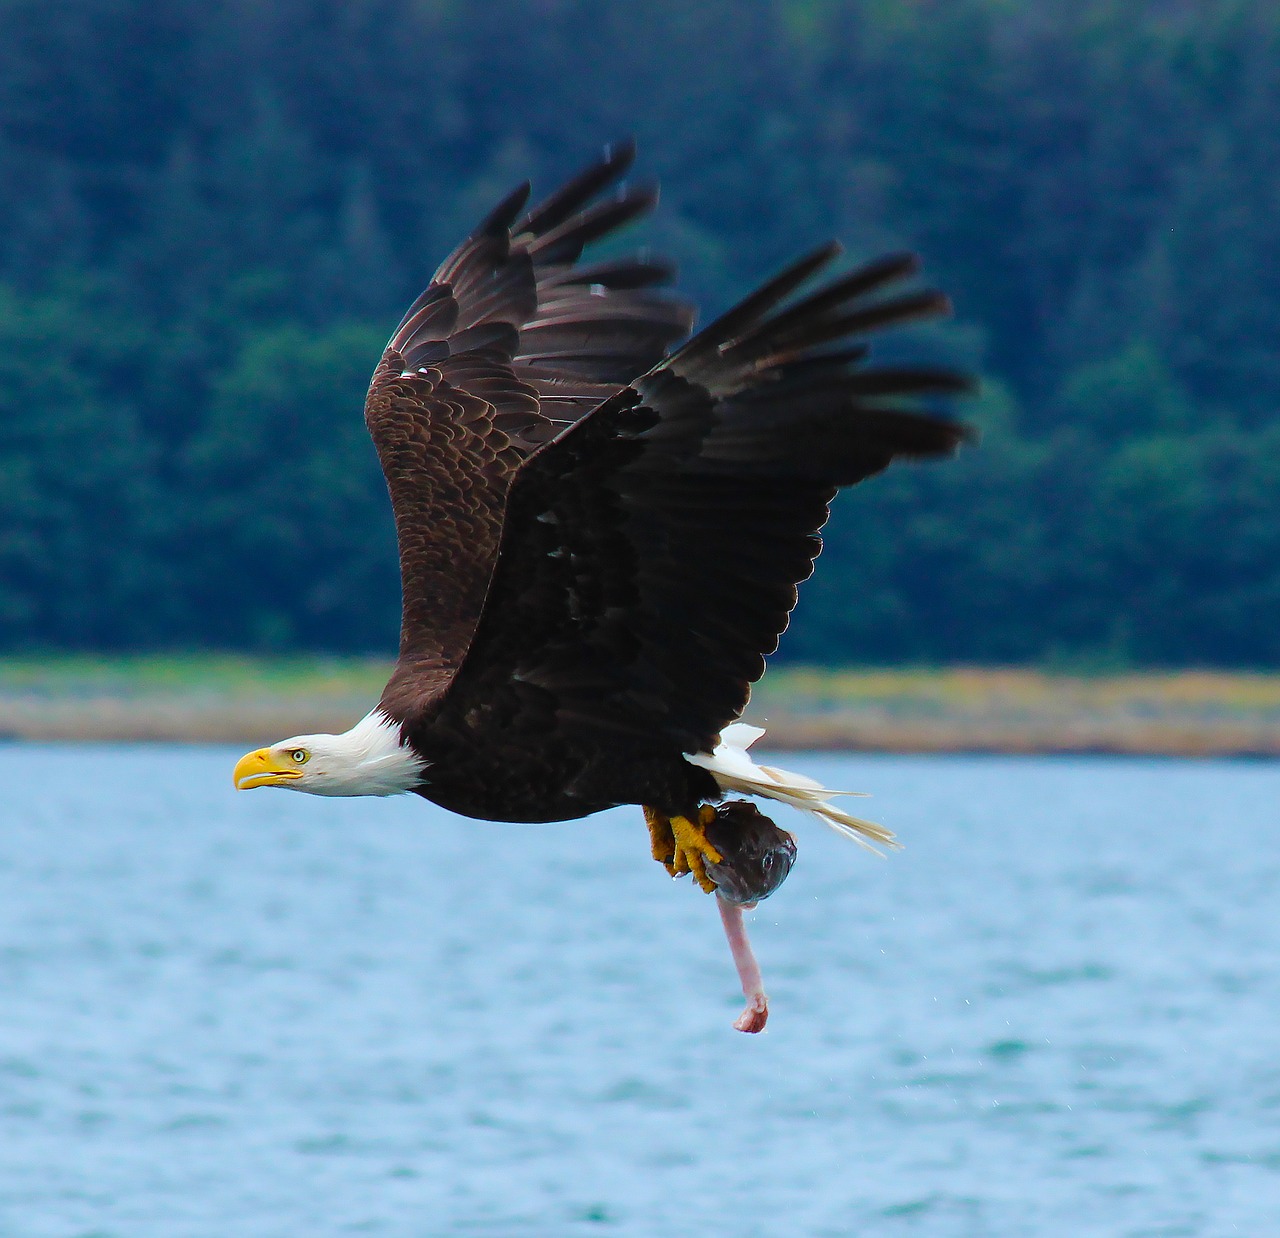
(693,851)
(680,844)
(662,842)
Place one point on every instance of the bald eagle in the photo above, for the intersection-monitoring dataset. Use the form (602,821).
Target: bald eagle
(602,523)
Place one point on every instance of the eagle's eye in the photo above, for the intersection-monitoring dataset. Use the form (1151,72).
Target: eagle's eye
(300,755)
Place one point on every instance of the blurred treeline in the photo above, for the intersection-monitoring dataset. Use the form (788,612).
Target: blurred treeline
(211,215)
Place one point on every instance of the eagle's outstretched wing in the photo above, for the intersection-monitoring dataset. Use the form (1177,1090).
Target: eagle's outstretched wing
(512,340)
(651,554)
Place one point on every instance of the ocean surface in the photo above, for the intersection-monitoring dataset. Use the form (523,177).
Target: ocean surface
(224,1015)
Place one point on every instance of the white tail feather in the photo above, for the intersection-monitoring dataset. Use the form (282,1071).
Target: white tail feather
(734,770)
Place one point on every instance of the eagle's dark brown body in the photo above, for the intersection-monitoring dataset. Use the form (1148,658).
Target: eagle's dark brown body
(554,779)
(600,538)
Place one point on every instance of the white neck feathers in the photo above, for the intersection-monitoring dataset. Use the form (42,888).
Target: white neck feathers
(369,759)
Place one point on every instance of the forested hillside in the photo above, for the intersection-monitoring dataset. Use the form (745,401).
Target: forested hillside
(212,214)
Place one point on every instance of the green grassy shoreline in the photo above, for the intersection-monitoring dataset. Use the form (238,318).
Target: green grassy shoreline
(238,699)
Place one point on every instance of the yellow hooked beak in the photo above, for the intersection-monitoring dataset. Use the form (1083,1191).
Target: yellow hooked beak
(264,768)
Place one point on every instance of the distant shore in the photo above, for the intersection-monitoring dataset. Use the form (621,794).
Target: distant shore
(983,709)
(206,699)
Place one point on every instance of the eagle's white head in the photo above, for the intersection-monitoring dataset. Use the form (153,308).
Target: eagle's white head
(369,759)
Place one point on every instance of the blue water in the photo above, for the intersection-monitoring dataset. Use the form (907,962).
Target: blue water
(225,1015)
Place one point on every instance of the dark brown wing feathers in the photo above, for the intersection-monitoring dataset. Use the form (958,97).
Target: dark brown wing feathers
(570,198)
(509,342)
(651,554)
(597,541)
(448,473)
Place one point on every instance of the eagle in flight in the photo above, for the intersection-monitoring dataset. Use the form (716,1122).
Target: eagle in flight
(602,522)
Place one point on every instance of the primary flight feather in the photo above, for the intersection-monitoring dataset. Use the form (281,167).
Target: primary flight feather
(601,532)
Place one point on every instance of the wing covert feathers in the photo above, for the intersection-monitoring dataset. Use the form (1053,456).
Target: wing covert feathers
(601,536)
(652,551)
(511,341)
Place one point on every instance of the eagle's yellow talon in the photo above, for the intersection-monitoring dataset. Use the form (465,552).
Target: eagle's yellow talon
(662,842)
(680,844)
(693,850)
